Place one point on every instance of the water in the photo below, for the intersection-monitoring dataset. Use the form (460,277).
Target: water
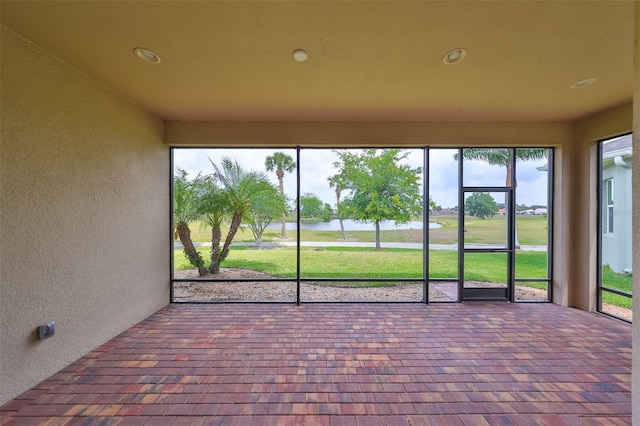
(351,225)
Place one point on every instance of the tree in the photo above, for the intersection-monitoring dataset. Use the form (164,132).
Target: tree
(311,205)
(265,208)
(281,163)
(334,182)
(212,206)
(185,212)
(327,212)
(240,191)
(380,187)
(481,205)
(502,157)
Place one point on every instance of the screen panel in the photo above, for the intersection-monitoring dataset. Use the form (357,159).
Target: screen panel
(616,224)
(443,213)
(361,213)
(228,209)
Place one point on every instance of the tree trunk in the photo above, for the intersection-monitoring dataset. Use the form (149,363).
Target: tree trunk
(216,234)
(184,233)
(344,235)
(283,233)
(233,228)
(377,235)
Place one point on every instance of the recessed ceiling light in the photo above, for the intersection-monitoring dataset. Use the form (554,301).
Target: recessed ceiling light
(455,56)
(583,83)
(147,55)
(300,55)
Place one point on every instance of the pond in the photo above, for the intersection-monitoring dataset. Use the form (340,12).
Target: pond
(352,225)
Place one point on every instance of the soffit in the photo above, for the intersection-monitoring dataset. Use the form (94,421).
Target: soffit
(367,60)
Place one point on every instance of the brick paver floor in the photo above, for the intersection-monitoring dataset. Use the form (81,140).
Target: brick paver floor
(347,364)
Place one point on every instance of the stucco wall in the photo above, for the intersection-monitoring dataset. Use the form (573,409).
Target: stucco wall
(353,134)
(581,222)
(84,214)
(635,385)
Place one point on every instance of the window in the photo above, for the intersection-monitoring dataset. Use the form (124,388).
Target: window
(608,214)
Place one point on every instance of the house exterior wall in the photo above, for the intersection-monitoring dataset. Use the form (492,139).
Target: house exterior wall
(84,214)
(616,246)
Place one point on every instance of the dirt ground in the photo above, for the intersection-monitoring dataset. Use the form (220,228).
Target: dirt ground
(286,291)
(281,291)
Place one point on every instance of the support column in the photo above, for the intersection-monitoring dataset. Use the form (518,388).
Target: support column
(576,247)
(636,223)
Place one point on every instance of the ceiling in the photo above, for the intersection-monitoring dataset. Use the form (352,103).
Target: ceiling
(232,60)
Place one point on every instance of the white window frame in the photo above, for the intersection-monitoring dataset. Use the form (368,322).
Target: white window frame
(609,206)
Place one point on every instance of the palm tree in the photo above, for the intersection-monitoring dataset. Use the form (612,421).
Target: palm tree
(212,208)
(185,211)
(240,190)
(281,163)
(336,181)
(502,157)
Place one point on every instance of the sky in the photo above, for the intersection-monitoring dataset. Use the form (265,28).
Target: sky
(316,166)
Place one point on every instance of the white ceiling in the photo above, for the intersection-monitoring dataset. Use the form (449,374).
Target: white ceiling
(232,60)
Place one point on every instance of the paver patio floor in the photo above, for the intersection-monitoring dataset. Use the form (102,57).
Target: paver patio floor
(347,364)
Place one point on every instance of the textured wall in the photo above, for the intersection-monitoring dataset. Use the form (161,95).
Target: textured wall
(84,214)
(580,222)
(635,386)
(416,133)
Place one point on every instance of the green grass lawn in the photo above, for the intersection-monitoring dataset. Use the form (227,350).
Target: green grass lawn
(532,230)
(351,262)
(615,281)
(355,262)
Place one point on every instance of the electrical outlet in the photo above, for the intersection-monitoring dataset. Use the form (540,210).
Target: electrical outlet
(46,330)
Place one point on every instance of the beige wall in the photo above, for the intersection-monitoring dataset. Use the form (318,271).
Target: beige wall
(580,220)
(84,214)
(365,133)
(635,385)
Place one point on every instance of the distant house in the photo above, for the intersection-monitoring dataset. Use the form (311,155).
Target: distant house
(616,204)
(447,212)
